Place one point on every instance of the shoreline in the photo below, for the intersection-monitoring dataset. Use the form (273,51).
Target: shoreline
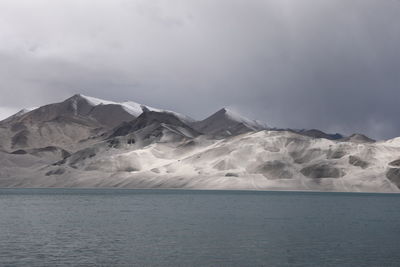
(197,190)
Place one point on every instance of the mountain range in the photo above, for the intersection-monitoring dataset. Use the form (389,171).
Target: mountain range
(89,142)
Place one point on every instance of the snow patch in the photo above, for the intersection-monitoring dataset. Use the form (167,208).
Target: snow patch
(239,118)
(132,108)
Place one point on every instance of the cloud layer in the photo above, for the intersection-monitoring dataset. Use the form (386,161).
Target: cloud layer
(332,65)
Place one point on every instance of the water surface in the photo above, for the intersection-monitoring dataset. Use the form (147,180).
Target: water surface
(96,227)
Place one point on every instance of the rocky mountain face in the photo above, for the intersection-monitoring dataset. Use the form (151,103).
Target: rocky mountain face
(62,125)
(88,142)
(226,123)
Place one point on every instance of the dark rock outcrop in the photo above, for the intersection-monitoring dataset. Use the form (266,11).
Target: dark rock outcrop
(356,161)
(322,170)
(393,174)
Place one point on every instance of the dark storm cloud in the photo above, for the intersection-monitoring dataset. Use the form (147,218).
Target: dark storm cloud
(325,64)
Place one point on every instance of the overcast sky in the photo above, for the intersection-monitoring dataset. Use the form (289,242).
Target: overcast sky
(327,64)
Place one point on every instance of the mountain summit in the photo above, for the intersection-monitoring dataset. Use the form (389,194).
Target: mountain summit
(226,122)
(66,124)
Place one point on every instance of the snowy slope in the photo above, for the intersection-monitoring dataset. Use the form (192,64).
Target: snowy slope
(226,122)
(132,108)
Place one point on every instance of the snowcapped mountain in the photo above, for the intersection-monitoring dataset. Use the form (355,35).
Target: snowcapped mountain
(63,124)
(69,123)
(132,108)
(226,122)
(89,142)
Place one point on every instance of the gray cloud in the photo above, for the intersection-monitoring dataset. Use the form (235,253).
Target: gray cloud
(325,64)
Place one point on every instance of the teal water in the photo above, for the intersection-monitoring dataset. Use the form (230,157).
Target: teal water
(74,227)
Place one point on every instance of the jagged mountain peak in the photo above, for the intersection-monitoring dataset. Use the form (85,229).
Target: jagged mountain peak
(223,111)
(227,112)
(233,115)
(226,122)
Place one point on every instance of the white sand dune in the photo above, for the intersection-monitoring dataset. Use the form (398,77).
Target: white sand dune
(265,160)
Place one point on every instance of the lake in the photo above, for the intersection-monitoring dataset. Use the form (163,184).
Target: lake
(114,227)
